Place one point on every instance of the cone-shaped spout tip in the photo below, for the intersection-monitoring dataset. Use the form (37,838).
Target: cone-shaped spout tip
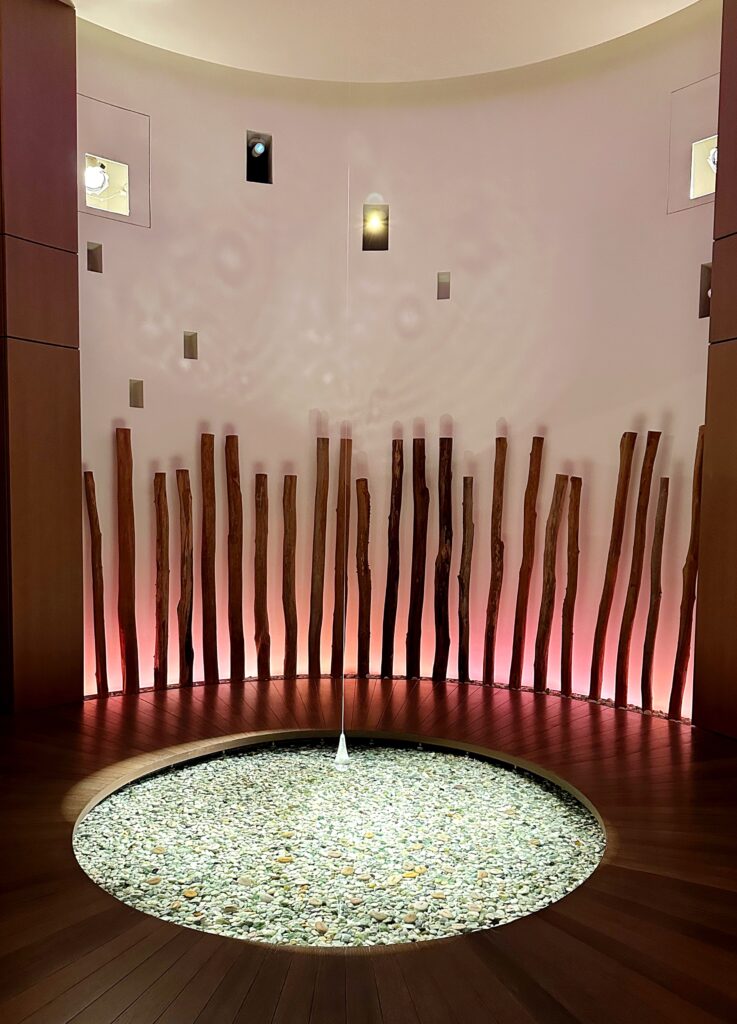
(342,759)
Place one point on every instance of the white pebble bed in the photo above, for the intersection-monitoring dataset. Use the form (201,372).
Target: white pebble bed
(276,845)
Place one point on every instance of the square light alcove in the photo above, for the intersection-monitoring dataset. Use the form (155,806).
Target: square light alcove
(693,126)
(106,184)
(119,139)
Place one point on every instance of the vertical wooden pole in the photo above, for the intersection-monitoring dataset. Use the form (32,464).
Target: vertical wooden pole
(442,561)
(547,599)
(497,559)
(343,517)
(526,565)
(635,579)
(126,562)
(317,582)
(235,559)
(464,581)
(421,497)
(363,513)
(161,649)
(207,561)
(98,586)
(186,580)
(626,451)
(656,592)
(260,572)
(688,597)
(392,569)
(289,573)
(569,601)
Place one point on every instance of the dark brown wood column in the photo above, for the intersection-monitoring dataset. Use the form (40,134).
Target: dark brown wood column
(715,654)
(40,464)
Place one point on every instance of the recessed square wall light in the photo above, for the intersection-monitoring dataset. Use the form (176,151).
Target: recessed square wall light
(258,158)
(703,167)
(106,184)
(444,284)
(375,226)
(190,345)
(135,394)
(94,257)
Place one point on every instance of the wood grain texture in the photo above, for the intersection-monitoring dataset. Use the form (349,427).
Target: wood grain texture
(636,565)
(393,563)
(651,932)
(569,601)
(464,581)
(186,580)
(497,559)
(207,560)
(317,579)
(235,559)
(363,572)
(289,575)
(656,593)
(526,565)
(161,623)
(340,581)
(98,585)
(547,599)
(260,579)
(421,505)
(442,560)
(688,595)
(126,562)
(619,515)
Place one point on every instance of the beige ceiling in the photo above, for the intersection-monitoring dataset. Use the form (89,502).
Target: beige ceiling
(375,40)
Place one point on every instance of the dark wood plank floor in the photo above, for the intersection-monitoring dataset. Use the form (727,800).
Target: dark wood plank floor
(651,936)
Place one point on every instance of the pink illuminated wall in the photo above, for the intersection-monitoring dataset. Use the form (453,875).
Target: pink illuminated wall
(573,310)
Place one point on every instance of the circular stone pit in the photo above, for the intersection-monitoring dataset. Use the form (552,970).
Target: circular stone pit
(273,844)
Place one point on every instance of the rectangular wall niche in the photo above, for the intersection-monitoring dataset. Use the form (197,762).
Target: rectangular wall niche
(94,257)
(258,158)
(704,167)
(444,284)
(135,394)
(375,226)
(705,291)
(190,345)
(106,185)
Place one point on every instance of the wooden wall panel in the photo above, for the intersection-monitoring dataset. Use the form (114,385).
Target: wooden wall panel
(725,208)
(723,310)
(38,112)
(715,645)
(40,293)
(42,613)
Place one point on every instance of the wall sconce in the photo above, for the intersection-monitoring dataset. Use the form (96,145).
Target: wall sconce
(375,226)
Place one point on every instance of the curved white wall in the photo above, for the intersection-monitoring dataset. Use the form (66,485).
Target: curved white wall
(573,309)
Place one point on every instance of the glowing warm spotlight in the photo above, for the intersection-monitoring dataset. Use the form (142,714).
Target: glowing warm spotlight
(375,226)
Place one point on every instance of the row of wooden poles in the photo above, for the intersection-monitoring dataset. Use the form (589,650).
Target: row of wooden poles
(421,504)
